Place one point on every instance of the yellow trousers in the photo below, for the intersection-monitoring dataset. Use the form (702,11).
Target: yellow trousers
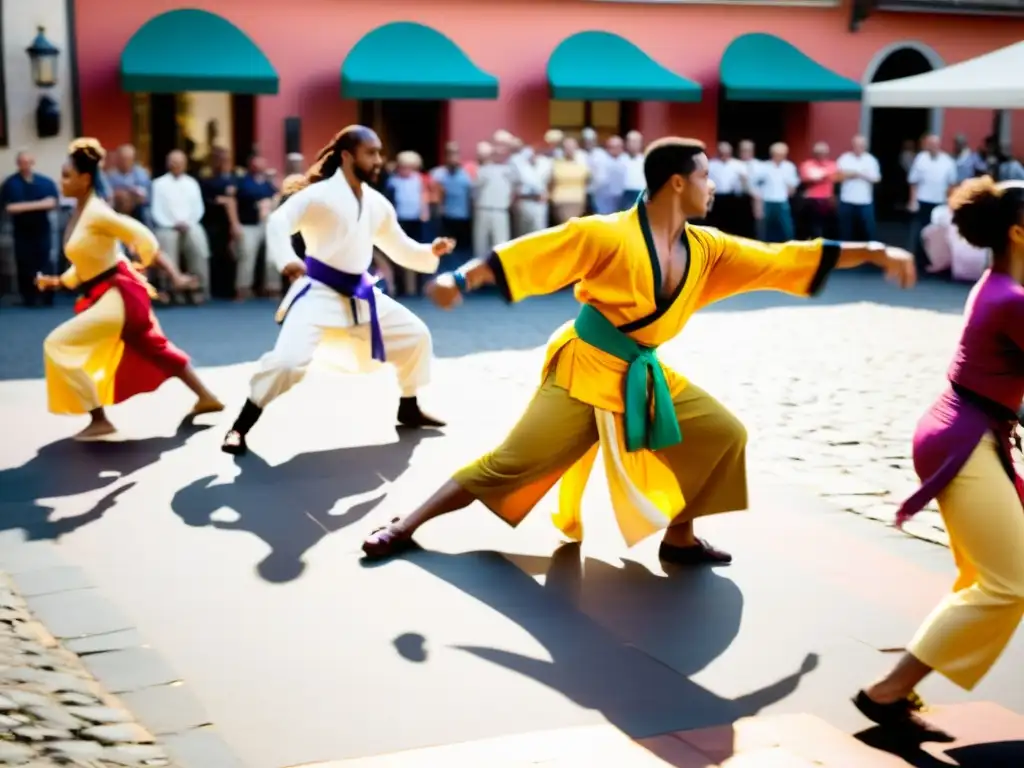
(968,631)
(556,431)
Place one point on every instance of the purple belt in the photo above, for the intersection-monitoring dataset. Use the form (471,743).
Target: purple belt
(946,437)
(354,287)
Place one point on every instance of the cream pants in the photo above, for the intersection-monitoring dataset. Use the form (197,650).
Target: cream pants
(248,249)
(491,227)
(321,315)
(192,247)
(967,632)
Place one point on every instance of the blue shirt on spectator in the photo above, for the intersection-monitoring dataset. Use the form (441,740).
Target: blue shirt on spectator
(249,194)
(458,191)
(407,195)
(18,189)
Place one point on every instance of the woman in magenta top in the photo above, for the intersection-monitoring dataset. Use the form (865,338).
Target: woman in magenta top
(962,455)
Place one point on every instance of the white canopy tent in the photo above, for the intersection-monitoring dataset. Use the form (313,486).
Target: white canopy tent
(992,81)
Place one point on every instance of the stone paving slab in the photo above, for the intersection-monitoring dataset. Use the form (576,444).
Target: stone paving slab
(986,736)
(232,567)
(57,708)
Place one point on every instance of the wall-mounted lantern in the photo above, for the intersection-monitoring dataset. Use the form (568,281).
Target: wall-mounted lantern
(44,55)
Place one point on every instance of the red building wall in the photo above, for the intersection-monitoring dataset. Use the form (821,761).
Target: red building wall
(307,40)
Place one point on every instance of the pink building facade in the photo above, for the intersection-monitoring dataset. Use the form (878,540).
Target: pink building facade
(307,41)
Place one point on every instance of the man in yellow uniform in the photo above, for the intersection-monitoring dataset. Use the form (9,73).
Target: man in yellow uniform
(672,453)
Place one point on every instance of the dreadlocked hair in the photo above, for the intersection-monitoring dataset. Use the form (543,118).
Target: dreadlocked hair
(328,159)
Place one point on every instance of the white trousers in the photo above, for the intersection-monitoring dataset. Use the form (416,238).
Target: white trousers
(533,216)
(491,227)
(191,247)
(253,236)
(322,315)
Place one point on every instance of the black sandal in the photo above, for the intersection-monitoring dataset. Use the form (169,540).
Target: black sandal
(901,716)
(701,553)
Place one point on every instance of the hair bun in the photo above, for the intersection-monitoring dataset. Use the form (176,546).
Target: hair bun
(977,206)
(89,147)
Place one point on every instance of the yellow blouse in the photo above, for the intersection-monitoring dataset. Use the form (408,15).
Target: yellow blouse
(614,264)
(92,246)
(569,181)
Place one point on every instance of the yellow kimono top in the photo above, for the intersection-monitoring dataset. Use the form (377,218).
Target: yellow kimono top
(614,264)
(93,247)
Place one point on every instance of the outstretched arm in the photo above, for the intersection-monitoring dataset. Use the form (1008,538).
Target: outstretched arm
(133,233)
(738,265)
(399,247)
(533,265)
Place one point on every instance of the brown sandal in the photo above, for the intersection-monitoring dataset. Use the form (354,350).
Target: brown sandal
(383,542)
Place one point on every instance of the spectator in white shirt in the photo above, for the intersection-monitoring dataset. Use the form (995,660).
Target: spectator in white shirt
(533,177)
(611,181)
(493,190)
(732,211)
(776,181)
(752,224)
(597,158)
(931,177)
(857,175)
(633,160)
(947,251)
(177,211)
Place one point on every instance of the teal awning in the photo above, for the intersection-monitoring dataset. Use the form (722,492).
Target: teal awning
(405,60)
(762,67)
(192,50)
(601,66)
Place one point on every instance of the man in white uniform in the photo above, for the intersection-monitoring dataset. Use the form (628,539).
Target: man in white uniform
(732,212)
(341,219)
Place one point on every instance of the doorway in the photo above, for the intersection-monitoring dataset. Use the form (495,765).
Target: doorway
(762,122)
(408,125)
(892,130)
(193,122)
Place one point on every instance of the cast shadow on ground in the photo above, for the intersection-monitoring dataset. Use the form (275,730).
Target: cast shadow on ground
(68,468)
(294,505)
(997,754)
(696,611)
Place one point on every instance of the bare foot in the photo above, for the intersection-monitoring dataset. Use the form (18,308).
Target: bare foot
(207,405)
(97,430)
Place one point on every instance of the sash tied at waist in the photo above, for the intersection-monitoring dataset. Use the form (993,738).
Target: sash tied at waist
(354,287)
(649,416)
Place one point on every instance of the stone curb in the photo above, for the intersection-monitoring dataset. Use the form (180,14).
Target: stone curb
(112,699)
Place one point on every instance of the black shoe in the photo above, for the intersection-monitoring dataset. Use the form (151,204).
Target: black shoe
(900,716)
(700,553)
(410,415)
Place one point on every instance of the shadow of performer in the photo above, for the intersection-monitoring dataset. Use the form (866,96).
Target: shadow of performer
(68,468)
(698,613)
(289,506)
(997,754)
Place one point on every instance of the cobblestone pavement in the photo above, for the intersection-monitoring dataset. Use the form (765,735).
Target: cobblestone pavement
(830,391)
(52,711)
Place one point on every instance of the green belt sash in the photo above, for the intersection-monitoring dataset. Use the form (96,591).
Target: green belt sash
(650,416)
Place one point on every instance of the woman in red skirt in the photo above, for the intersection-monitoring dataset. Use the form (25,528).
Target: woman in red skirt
(113,347)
